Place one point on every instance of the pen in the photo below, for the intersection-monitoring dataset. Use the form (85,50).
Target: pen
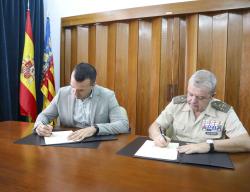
(45,124)
(163,135)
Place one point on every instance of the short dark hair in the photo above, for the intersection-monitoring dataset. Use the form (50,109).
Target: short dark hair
(83,71)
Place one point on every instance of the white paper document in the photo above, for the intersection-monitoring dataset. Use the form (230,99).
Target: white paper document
(150,150)
(58,137)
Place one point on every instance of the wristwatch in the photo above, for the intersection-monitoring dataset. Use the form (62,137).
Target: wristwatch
(211,145)
(97,130)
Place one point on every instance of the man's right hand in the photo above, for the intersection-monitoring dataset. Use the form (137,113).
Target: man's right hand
(161,142)
(44,130)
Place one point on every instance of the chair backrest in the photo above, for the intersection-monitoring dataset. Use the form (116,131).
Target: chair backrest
(126,114)
(124,111)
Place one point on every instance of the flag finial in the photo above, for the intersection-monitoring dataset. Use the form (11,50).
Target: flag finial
(28,4)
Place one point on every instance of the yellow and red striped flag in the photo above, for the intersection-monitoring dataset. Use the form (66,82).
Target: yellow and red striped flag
(27,97)
(48,82)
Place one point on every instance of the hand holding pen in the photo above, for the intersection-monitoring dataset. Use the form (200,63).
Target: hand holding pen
(44,130)
(162,140)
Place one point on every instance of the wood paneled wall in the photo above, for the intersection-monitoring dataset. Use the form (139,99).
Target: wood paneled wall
(148,60)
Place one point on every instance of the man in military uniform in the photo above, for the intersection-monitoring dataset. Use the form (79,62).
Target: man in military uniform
(208,123)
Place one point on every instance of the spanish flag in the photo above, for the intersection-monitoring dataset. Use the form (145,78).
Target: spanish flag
(48,82)
(27,76)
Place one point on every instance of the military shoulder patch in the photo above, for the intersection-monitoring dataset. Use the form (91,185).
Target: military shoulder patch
(221,106)
(180,99)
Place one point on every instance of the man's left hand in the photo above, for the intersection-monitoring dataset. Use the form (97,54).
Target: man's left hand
(194,148)
(82,133)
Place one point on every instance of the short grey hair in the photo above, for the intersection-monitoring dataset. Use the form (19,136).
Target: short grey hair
(204,79)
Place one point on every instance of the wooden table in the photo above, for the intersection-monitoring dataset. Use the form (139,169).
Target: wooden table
(39,168)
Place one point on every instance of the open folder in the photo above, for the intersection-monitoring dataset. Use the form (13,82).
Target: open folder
(90,142)
(150,150)
(59,137)
(206,159)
